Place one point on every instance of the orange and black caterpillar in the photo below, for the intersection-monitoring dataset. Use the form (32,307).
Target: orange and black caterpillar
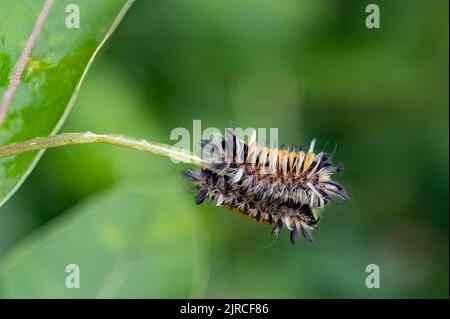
(278,186)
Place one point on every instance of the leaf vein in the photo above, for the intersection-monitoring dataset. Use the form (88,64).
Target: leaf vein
(7,98)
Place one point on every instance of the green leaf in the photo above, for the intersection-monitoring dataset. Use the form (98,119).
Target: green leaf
(52,76)
(129,242)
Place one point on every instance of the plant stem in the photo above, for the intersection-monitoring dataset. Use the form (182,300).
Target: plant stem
(39,143)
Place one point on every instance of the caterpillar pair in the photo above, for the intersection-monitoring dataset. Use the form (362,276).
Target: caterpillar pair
(283,187)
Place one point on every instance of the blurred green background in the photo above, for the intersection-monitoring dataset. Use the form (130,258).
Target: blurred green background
(308,68)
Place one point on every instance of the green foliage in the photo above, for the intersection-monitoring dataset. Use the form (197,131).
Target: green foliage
(308,68)
(128,242)
(52,76)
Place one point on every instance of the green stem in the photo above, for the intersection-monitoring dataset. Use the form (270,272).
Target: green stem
(39,143)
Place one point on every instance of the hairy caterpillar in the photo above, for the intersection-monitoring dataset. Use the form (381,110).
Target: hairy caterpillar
(277,186)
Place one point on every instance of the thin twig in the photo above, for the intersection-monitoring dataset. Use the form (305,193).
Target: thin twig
(88,137)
